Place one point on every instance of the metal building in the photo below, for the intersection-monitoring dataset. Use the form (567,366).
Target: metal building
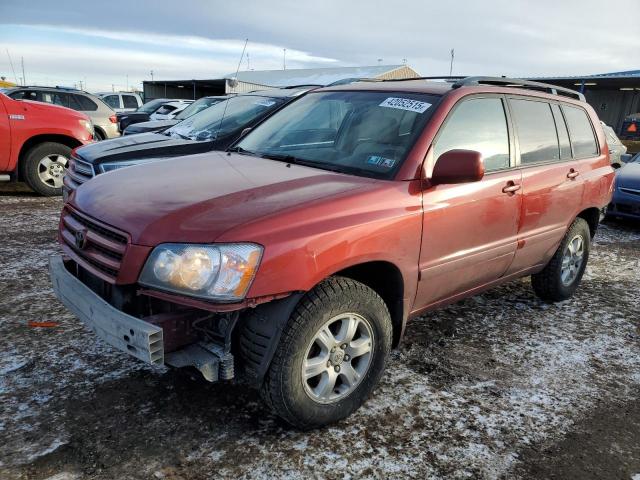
(248,81)
(612,95)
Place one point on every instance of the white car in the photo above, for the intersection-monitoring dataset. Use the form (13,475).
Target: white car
(121,101)
(170,109)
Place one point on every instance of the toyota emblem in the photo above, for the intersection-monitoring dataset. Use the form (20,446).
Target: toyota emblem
(81,239)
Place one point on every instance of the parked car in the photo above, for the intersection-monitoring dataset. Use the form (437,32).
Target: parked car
(159,125)
(170,109)
(215,128)
(121,101)
(140,115)
(293,261)
(36,141)
(617,151)
(626,192)
(102,116)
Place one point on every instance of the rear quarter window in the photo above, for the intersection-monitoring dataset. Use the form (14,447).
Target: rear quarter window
(583,139)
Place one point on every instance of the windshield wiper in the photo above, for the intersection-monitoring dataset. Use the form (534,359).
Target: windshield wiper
(243,151)
(279,157)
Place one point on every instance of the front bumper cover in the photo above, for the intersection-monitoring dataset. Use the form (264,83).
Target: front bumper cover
(136,337)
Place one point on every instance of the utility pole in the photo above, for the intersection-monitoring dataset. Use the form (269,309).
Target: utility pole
(453,53)
(24,78)
(15,77)
(151,76)
(284,58)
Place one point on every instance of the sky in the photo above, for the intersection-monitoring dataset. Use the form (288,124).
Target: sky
(116,44)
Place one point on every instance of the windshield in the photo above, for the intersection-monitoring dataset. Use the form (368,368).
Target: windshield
(358,132)
(238,112)
(197,106)
(152,105)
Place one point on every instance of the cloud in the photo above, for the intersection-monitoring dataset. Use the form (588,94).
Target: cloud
(503,37)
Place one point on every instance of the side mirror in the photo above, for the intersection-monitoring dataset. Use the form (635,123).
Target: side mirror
(458,166)
(244,132)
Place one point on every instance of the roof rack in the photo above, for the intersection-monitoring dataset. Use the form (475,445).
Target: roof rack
(447,78)
(519,83)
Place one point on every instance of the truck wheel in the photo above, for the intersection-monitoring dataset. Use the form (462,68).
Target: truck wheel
(561,277)
(331,354)
(44,167)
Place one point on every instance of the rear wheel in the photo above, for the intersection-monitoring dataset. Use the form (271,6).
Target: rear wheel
(45,166)
(98,135)
(331,355)
(561,277)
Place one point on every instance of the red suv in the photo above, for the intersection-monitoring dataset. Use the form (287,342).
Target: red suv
(294,260)
(36,141)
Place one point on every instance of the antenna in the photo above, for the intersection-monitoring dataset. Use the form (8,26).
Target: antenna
(15,77)
(453,53)
(235,80)
(24,78)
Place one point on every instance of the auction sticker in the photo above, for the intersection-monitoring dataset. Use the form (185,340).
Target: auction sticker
(405,104)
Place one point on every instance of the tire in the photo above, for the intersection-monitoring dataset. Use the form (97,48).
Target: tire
(549,284)
(44,167)
(296,399)
(98,135)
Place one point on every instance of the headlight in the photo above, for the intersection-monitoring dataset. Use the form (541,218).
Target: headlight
(110,166)
(214,272)
(88,126)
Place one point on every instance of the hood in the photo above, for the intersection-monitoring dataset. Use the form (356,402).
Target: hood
(134,147)
(198,198)
(629,175)
(154,126)
(55,109)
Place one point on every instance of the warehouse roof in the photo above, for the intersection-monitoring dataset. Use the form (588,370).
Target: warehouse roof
(313,76)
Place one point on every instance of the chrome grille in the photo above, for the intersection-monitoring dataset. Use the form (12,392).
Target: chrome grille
(78,172)
(93,246)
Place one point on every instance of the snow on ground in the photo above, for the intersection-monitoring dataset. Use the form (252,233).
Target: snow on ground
(473,386)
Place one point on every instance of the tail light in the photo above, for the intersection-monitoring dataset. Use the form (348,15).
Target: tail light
(113,119)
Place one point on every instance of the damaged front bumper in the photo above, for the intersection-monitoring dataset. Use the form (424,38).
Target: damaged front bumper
(142,339)
(136,337)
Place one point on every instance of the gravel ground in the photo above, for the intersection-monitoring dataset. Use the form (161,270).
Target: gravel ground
(497,386)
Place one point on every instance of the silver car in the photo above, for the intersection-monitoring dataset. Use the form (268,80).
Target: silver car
(617,150)
(102,115)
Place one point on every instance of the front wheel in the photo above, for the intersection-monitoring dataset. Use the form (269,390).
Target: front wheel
(561,277)
(45,166)
(331,355)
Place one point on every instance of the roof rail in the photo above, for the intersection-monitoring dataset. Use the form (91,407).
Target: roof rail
(519,83)
(441,77)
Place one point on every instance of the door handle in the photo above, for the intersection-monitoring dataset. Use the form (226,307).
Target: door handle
(572,174)
(511,187)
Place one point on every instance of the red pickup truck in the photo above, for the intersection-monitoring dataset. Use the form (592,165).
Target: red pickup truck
(294,260)
(36,140)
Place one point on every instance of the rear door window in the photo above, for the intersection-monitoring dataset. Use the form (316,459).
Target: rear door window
(129,101)
(582,137)
(112,100)
(86,104)
(477,124)
(536,131)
